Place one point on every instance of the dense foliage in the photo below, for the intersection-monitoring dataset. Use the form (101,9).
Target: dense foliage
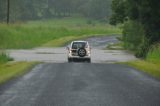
(143,12)
(22,10)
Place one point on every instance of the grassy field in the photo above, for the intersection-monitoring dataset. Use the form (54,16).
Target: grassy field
(152,63)
(12,70)
(47,32)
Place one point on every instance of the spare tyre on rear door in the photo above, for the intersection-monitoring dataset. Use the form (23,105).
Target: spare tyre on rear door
(79,50)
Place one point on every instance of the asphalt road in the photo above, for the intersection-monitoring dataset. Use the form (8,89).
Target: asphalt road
(81,84)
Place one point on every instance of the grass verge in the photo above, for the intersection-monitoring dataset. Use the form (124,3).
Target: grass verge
(9,71)
(150,68)
(152,63)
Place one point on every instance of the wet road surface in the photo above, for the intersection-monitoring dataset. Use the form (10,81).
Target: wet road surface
(81,84)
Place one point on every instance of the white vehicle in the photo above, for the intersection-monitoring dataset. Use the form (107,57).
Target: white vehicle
(79,50)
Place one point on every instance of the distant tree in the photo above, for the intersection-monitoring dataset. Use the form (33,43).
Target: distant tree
(23,10)
(118,11)
(3,10)
(100,9)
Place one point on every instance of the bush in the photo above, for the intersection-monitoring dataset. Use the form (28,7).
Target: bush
(143,48)
(4,58)
(134,39)
(90,22)
(154,53)
(133,35)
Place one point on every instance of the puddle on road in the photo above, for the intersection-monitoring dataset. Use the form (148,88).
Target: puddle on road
(47,53)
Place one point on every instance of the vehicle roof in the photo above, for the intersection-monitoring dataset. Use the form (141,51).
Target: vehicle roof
(80,41)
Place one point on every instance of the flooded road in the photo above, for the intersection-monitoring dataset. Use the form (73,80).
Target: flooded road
(59,54)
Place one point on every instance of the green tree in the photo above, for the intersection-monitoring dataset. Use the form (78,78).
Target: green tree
(118,11)
(100,9)
(144,12)
(23,10)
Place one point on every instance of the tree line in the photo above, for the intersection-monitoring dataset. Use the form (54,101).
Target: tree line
(141,19)
(22,10)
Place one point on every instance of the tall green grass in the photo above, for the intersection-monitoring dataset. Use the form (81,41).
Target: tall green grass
(154,54)
(4,58)
(37,33)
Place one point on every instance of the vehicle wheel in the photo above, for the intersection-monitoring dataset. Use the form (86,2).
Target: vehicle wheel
(69,60)
(82,52)
(89,60)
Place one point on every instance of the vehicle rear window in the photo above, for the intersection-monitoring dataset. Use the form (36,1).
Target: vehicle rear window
(77,45)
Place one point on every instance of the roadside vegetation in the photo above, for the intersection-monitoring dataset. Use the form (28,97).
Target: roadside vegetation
(4,58)
(12,70)
(149,65)
(154,54)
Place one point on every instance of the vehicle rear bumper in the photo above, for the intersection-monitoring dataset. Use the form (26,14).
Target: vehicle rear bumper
(80,58)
